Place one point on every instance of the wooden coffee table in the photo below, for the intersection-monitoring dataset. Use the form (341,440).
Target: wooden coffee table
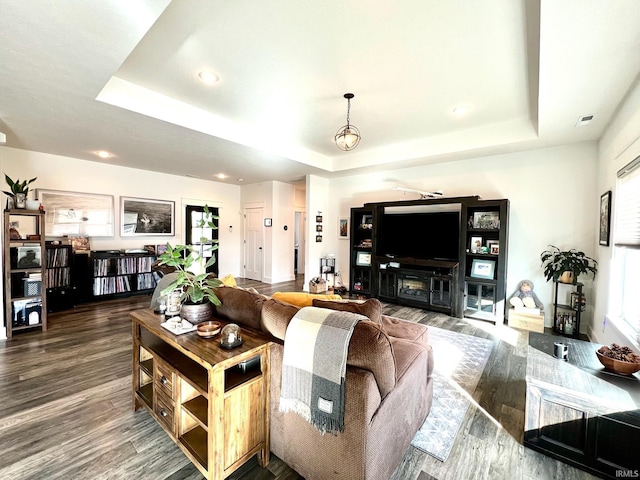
(578,412)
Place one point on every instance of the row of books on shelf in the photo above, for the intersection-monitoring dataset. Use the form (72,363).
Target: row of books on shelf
(57,257)
(121,266)
(125,283)
(58,277)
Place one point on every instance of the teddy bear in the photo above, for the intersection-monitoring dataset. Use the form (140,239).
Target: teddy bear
(524,296)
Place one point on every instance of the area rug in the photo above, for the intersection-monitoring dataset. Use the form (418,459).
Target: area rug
(459,361)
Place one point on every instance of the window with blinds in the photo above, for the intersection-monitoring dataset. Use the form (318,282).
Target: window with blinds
(625,277)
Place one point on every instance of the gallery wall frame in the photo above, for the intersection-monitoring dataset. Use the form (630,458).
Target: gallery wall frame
(343,228)
(146,217)
(605,218)
(77,213)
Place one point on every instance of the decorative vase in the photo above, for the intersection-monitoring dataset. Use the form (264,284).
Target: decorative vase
(566,277)
(196,312)
(20,200)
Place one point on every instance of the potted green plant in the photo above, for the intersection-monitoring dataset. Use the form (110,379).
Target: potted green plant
(566,266)
(19,190)
(195,284)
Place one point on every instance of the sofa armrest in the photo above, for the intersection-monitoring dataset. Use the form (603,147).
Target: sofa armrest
(398,328)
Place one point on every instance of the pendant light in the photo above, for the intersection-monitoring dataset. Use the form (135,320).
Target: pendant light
(348,137)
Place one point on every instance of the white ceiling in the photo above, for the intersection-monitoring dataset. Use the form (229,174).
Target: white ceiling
(122,76)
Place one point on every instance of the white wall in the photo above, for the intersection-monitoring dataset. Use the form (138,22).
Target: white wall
(320,201)
(552,194)
(619,145)
(69,174)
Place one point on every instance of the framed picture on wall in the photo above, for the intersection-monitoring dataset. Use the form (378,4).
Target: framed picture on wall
(343,228)
(605,218)
(143,216)
(77,214)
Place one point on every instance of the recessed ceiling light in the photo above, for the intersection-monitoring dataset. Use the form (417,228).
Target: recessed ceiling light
(241,179)
(208,77)
(103,154)
(460,110)
(221,176)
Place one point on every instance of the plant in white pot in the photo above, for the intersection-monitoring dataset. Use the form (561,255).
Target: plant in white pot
(195,284)
(19,190)
(566,266)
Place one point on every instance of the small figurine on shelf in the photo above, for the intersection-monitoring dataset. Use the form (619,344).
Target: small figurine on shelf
(525,297)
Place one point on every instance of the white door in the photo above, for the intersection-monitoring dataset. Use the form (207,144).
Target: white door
(253,252)
(300,241)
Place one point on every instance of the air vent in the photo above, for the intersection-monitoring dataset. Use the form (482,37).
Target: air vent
(584,120)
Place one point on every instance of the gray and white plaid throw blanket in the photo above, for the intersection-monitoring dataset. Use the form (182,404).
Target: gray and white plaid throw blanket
(314,366)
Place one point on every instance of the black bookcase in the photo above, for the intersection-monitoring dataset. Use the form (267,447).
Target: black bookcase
(118,274)
(61,289)
(473,285)
(361,271)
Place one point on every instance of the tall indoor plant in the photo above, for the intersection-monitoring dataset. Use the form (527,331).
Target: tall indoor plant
(195,284)
(557,263)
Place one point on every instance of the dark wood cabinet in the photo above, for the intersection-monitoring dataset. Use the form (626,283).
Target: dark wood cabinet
(458,249)
(361,261)
(483,258)
(578,412)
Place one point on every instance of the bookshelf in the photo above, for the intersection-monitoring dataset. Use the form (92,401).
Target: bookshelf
(24,271)
(116,273)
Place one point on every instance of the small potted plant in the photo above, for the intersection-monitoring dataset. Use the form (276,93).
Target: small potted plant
(566,266)
(196,285)
(19,190)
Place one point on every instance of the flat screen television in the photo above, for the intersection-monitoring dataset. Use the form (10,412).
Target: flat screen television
(426,236)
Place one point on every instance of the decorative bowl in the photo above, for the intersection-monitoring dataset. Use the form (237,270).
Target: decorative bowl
(618,366)
(209,329)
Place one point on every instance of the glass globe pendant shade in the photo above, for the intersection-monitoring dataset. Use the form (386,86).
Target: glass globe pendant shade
(347,138)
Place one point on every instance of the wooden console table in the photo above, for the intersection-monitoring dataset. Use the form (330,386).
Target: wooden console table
(214,403)
(579,413)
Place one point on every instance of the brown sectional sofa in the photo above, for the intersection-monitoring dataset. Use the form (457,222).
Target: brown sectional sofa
(389,389)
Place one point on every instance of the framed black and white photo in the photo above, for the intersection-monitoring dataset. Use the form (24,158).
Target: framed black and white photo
(486,220)
(363,259)
(318,228)
(143,216)
(482,268)
(605,218)
(268,222)
(74,213)
(343,228)
(29,256)
(318,238)
(318,218)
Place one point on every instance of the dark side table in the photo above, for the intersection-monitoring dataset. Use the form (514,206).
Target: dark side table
(579,413)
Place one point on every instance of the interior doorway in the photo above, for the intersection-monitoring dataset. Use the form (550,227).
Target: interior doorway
(299,243)
(253,251)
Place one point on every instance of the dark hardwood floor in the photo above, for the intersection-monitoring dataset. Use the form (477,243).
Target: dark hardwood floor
(66,407)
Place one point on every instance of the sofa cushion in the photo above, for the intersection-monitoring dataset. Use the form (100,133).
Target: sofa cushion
(302,299)
(371,308)
(276,316)
(370,348)
(239,306)
(229,281)
(416,332)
